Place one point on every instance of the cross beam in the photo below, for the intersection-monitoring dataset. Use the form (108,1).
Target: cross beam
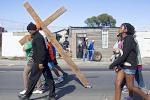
(43,25)
(48,20)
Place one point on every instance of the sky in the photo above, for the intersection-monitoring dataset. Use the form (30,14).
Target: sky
(14,17)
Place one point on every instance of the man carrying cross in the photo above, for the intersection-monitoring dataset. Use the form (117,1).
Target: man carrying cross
(40,61)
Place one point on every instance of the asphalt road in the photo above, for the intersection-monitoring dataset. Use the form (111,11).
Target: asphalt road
(102,81)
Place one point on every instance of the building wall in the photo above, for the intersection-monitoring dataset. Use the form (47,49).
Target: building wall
(89,34)
(143,39)
(11,46)
(94,34)
(63,34)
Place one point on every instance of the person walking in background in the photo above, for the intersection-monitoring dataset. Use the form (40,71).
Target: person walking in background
(40,64)
(85,48)
(27,47)
(91,50)
(53,64)
(80,51)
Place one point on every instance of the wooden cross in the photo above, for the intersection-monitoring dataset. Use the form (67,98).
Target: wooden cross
(43,25)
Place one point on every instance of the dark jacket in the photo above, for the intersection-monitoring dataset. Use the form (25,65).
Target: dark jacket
(84,45)
(39,49)
(129,54)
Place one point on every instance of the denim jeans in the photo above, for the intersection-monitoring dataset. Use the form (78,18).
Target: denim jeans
(85,54)
(138,78)
(91,54)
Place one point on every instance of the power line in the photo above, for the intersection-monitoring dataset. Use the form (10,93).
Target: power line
(11,21)
(11,25)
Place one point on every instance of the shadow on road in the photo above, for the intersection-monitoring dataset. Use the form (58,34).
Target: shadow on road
(63,88)
(68,79)
(60,93)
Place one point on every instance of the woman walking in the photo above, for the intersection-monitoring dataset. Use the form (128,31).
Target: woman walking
(128,61)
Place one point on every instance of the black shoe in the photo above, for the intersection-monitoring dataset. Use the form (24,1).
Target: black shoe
(23,97)
(65,75)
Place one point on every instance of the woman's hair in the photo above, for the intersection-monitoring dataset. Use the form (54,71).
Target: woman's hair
(130,28)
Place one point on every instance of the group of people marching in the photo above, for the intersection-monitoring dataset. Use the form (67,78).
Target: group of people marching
(126,62)
(41,59)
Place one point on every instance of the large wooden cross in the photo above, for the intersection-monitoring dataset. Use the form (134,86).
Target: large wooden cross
(43,25)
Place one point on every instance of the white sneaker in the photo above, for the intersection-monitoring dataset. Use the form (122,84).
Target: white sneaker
(23,92)
(59,80)
(125,89)
(37,92)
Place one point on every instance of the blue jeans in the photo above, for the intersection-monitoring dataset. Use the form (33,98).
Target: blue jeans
(91,53)
(138,77)
(85,54)
(129,71)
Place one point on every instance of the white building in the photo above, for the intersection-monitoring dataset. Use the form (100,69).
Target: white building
(144,42)
(10,45)
(61,34)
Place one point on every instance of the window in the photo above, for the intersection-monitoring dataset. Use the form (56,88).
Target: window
(104,38)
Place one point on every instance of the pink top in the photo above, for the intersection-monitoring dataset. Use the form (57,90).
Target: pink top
(120,44)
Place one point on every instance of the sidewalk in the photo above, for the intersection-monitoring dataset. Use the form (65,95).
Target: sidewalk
(61,62)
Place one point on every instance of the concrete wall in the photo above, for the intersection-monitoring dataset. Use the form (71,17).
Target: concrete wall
(11,46)
(144,43)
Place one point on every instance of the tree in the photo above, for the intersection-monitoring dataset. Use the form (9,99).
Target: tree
(92,22)
(103,20)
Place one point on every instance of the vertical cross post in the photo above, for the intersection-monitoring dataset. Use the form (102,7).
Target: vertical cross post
(43,25)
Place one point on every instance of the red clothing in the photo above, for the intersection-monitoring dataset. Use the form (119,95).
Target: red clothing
(51,54)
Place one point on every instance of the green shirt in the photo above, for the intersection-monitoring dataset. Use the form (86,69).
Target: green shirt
(27,46)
